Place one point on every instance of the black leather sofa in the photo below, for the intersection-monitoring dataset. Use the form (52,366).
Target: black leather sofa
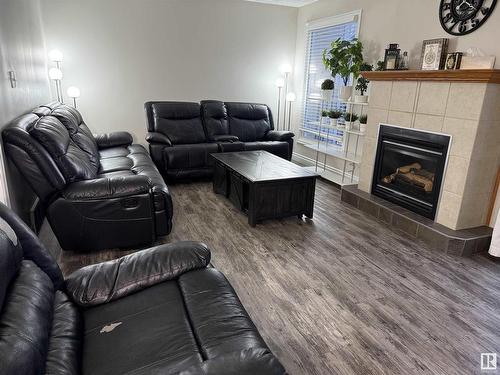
(159,311)
(98,191)
(182,135)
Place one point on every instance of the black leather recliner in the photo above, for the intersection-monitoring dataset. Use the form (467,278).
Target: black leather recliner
(98,191)
(182,135)
(158,311)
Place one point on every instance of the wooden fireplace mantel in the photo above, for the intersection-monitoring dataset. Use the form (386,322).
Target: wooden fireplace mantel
(476,75)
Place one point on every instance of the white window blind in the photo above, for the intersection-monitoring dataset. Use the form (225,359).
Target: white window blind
(320,35)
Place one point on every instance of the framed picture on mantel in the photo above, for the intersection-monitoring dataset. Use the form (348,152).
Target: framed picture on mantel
(434,53)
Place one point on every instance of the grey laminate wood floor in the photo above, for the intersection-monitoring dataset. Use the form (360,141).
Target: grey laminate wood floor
(343,294)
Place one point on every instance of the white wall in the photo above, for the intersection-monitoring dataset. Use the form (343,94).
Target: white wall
(22,49)
(407,22)
(122,53)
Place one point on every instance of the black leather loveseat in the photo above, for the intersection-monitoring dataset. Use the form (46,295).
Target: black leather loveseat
(159,311)
(98,191)
(182,135)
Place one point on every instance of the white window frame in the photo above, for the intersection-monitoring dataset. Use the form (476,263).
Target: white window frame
(316,25)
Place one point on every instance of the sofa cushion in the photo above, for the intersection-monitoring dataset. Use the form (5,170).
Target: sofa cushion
(180,122)
(278,148)
(147,332)
(74,163)
(249,122)
(25,321)
(215,120)
(78,131)
(221,328)
(189,156)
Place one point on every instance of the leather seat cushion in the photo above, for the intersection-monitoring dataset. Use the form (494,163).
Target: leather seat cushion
(114,152)
(214,118)
(180,122)
(277,148)
(78,131)
(74,163)
(219,320)
(249,122)
(189,156)
(152,332)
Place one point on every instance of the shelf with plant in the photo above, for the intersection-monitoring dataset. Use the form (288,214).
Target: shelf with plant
(344,58)
(334,117)
(327,90)
(362,84)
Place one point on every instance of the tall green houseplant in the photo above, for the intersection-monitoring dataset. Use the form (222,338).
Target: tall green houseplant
(344,58)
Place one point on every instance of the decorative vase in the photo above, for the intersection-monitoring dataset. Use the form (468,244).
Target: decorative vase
(327,95)
(357,125)
(334,122)
(362,128)
(325,120)
(345,93)
(348,125)
(361,98)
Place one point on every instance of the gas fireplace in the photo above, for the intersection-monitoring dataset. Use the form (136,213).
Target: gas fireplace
(409,168)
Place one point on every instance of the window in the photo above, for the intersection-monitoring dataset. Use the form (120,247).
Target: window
(320,35)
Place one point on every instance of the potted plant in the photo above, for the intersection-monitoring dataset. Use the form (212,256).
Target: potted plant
(327,90)
(363,120)
(350,118)
(324,115)
(344,58)
(362,84)
(334,116)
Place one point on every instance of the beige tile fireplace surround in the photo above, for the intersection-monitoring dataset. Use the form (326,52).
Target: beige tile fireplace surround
(468,109)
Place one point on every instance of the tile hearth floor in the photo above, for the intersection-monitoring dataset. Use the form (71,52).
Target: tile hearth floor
(342,294)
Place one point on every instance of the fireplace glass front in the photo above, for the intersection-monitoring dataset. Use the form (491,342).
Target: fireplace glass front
(409,168)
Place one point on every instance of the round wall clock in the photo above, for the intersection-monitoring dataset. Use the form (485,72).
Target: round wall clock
(461,17)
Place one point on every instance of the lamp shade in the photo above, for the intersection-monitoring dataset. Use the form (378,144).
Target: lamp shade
(55,74)
(73,92)
(291,97)
(280,83)
(55,55)
(286,68)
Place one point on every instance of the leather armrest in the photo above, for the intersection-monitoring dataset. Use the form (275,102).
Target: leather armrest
(247,362)
(274,135)
(154,137)
(113,139)
(225,138)
(108,281)
(112,187)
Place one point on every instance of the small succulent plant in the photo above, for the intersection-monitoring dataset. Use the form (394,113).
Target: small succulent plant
(335,114)
(327,84)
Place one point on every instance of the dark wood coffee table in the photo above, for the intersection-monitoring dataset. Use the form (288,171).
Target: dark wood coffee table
(263,185)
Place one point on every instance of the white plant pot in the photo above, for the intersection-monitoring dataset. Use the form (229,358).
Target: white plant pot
(362,128)
(356,124)
(348,125)
(325,120)
(327,95)
(361,98)
(334,122)
(345,93)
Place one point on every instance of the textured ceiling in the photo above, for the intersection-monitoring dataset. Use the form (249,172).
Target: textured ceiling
(290,3)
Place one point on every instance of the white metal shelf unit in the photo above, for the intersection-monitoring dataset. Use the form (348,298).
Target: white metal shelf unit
(315,135)
(350,159)
(320,34)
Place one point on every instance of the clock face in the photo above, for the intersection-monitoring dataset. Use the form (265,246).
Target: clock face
(460,17)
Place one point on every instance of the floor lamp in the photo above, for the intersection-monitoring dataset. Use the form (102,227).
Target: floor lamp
(56,75)
(57,57)
(73,92)
(290,98)
(280,83)
(286,70)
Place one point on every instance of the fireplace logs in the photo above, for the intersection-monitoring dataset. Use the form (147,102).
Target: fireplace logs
(413,174)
